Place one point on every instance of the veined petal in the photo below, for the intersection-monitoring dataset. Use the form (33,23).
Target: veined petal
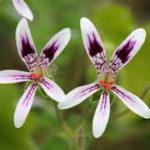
(14,76)
(25,45)
(127,49)
(132,102)
(52,89)
(54,47)
(93,45)
(23,9)
(78,95)
(101,115)
(24,106)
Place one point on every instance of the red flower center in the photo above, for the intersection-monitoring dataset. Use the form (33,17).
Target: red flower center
(107,85)
(36,77)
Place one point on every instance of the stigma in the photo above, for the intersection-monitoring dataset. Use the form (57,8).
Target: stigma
(36,77)
(106,85)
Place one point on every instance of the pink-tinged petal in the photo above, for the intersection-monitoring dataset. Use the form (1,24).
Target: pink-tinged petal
(23,9)
(93,45)
(25,45)
(133,102)
(127,49)
(24,106)
(78,95)
(52,89)
(54,47)
(101,115)
(14,76)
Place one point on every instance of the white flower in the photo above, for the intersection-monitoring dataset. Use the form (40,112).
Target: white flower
(106,76)
(36,67)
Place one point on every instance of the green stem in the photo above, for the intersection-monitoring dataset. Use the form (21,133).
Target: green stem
(80,138)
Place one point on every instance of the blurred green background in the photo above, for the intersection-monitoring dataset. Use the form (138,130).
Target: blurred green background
(47,128)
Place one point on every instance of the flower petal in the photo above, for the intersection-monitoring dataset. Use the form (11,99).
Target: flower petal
(54,47)
(78,95)
(132,102)
(93,46)
(25,45)
(52,89)
(127,49)
(23,9)
(24,106)
(101,115)
(14,76)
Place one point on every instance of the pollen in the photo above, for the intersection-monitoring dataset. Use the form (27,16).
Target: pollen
(36,77)
(107,85)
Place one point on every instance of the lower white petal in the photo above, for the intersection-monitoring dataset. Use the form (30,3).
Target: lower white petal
(52,89)
(132,102)
(78,95)
(14,76)
(101,115)
(24,106)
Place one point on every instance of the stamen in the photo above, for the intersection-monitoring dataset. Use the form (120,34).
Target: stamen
(36,77)
(107,85)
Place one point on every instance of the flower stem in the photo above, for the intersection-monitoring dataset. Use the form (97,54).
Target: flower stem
(80,138)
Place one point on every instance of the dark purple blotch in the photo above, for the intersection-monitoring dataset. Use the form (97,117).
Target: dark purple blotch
(94,45)
(124,52)
(26,46)
(51,50)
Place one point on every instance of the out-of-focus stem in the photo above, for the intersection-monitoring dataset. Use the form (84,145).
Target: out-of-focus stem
(59,115)
(80,138)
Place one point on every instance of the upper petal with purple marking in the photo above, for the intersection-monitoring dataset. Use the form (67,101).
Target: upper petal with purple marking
(127,49)
(132,102)
(14,76)
(54,47)
(93,46)
(23,9)
(78,95)
(101,115)
(24,106)
(52,89)
(26,46)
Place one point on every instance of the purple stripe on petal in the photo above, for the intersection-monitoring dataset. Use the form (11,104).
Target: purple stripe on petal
(104,100)
(47,85)
(126,97)
(101,115)
(14,76)
(86,91)
(19,77)
(29,95)
(24,105)
(78,95)
(52,89)
(133,102)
